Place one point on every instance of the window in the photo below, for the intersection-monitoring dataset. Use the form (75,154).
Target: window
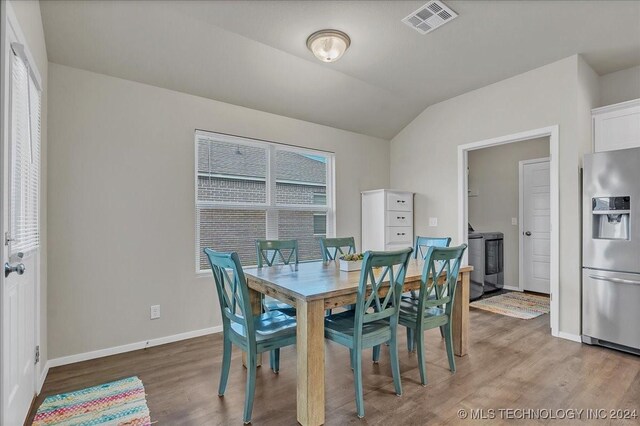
(248,190)
(24,219)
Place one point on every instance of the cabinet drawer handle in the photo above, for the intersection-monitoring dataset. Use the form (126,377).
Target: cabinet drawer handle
(400,217)
(400,233)
(400,201)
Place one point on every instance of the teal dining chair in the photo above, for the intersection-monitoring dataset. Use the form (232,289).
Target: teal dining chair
(423,244)
(273,252)
(375,318)
(434,305)
(267,332)
(331,247)
(421,247)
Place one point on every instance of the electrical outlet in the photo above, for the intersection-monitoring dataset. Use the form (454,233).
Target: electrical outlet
(433,221)
(155,312)
(514,221)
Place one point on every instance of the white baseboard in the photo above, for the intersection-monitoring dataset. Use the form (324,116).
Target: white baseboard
(70,359)
(512,288)
(43,376)
(569,336)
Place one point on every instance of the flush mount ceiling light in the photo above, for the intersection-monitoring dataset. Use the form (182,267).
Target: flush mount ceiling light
(328,45)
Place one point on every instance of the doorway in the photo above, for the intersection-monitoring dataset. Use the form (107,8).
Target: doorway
(552,133)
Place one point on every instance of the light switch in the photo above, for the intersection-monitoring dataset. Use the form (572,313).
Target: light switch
(433,221)
(514,221)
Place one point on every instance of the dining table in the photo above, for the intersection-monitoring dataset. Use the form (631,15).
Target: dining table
(314,287)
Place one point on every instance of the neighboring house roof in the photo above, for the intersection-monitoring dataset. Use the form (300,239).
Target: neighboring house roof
(224,158)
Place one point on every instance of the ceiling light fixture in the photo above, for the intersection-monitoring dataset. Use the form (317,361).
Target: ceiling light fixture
(328,45)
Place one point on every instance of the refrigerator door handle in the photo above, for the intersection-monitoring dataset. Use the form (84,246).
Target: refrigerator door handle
(614,280)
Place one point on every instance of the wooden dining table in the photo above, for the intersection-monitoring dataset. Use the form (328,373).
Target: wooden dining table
(314,287)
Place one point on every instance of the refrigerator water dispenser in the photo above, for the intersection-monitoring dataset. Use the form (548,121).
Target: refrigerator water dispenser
(611,218)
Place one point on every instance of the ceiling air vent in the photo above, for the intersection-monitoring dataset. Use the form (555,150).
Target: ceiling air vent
(430,16)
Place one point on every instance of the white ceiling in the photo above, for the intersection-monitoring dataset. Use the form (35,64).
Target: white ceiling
(253,53)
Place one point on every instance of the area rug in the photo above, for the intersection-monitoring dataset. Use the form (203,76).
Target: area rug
(514,304)
(121,403)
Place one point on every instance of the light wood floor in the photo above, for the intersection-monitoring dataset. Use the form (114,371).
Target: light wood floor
(512,363)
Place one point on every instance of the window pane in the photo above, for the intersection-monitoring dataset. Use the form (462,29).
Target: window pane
(231,173)
(300,178)
(231,230)
(296,225)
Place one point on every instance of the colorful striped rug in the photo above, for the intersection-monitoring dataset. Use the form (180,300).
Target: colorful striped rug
(121,403)
(515,304)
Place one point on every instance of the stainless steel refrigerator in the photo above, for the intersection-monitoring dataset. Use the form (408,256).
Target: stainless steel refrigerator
(611,250)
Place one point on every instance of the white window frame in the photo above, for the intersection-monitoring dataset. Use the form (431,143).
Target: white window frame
(270,206)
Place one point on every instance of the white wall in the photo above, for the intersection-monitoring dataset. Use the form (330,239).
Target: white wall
(28,14)
(424,154)
(496,192)
(620,86)
(121,204)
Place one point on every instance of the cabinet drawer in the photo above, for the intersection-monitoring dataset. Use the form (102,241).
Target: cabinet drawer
(400,234)
(399,218)
(394,247)
(399,201)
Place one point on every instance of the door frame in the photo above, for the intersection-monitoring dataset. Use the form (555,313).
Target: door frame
(553,133)
(11,32)
(521,165)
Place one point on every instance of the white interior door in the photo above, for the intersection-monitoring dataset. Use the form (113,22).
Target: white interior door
(20,234)
(536,229)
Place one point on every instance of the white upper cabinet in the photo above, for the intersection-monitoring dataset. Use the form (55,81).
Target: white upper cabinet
(616,126)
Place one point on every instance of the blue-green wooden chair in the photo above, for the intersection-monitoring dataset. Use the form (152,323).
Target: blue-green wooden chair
(332,247)
(272,252)
(423,243)
(435,302)
(267,332)
(375,318)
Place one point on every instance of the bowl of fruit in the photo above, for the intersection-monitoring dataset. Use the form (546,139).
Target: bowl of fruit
(351,262)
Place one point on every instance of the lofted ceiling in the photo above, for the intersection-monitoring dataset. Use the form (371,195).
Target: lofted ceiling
(253,53)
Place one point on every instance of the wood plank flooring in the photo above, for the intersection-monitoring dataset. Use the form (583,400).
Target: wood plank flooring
(512,363)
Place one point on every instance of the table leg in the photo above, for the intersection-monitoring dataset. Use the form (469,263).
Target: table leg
(255,298)
(310,351)
(461,316)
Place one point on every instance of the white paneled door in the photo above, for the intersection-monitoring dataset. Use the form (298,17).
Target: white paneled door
(20,230)
(536,229)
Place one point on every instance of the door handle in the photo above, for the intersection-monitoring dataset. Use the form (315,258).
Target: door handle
(528,233)
(8,269)
(614,280)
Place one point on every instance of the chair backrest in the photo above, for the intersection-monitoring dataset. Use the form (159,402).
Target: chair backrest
(442,264)
(330,247)
(423,243)
(233,293)
(271,252)
(383,301)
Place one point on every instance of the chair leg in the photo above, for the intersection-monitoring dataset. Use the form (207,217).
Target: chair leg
(442,331)
(410,339)
(357,373)
(351,358)
(274,358)
(448,341)
(421,361)
(376,354)
(251,387)
(395,364)
(226,366)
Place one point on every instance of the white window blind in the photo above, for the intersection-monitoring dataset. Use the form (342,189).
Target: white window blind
(25,159)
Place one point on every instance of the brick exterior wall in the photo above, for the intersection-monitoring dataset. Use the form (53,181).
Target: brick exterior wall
(237,230)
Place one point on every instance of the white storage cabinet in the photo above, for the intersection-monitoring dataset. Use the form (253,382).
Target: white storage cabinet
(387,220)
